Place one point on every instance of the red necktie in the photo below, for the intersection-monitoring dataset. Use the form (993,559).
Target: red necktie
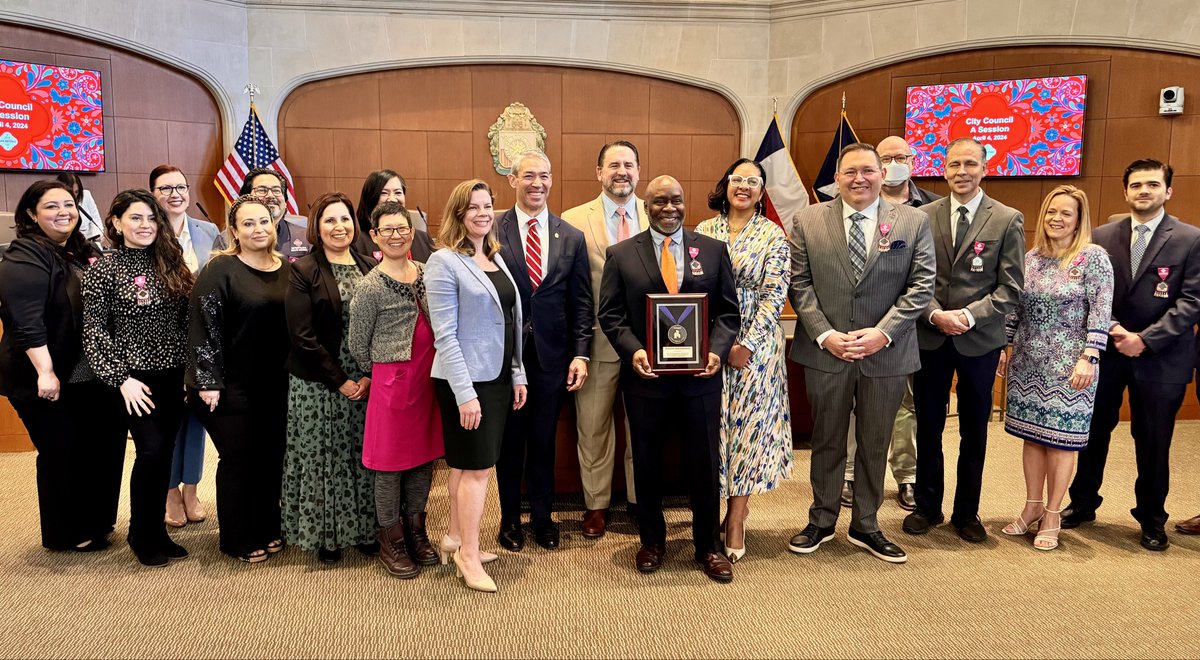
(533,254)
(622,226)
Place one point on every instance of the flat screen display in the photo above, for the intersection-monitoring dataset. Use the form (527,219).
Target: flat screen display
(1028,127)
(50,118)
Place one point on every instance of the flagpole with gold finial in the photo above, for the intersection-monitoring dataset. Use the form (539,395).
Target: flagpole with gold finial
(252,90)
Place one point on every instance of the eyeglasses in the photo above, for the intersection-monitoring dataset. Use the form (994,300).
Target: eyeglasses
(169,190)
(388,232)
(263,190)
(865,172)
(749,181)
(902,159)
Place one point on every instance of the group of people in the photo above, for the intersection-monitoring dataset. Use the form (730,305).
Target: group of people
(403,350)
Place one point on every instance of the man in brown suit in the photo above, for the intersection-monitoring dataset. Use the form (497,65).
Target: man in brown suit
(610,218)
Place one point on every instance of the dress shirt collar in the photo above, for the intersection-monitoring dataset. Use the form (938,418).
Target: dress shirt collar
(972,206)
(676,238)
(871,212)
(523,217)
(1152,224)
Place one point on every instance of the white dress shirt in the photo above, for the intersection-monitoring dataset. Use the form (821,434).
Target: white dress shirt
(972,209)
(543,217)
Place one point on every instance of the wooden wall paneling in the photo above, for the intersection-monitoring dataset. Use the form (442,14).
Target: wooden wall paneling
(672,155)
(406,152)
(356,152)
(684,110)
(711,156)
(1140,75)
(1099,75)
(578,162)
(1185,144)
(1185,199)
(594,103)
(1127,139)
(433,99)
(328,104)
(143,143)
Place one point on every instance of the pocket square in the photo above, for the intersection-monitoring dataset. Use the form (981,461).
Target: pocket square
(898,245)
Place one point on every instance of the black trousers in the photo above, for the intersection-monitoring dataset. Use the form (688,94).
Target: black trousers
(154,441)
(1152,409)
(931,396)
(80,440)
(698,418)
(529,437)
(249,430)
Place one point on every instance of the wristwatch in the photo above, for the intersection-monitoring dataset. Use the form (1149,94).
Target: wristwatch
(1090,358)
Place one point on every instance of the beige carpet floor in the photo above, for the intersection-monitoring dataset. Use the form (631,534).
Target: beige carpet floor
(1099,595)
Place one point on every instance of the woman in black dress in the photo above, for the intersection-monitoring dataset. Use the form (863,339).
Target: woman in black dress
(71,416)
(238,378)
(135,338)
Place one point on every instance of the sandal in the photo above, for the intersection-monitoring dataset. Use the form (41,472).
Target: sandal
(276,546)
(1019,527)
(254,557)
(1047,541)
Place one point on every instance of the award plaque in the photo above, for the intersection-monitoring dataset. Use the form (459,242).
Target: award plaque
(677,332)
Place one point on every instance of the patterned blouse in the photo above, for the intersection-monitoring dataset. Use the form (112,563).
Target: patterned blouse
(129,321)
(383,316)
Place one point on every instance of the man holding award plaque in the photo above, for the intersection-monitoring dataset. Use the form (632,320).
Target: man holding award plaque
(669,306)
(862,273)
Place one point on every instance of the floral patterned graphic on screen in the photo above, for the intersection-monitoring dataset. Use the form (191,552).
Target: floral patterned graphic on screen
(1030,127)
(50,118)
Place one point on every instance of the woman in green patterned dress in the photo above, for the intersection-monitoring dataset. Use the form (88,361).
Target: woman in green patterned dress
(328,496)
(756,430)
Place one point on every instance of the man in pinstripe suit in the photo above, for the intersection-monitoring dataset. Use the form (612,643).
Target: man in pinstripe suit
(862,273)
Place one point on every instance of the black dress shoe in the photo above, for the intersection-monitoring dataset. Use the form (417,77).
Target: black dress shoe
(368,549)
(878,544)
(918,522)
(1154,538)
(173,550)
(972,532)
(511,537)
(847,499)
(1072,517)
(329,556)
(809,539)
(649,558)
(96,545)
(716,567)
(153,557)
(907,497)
(545,533)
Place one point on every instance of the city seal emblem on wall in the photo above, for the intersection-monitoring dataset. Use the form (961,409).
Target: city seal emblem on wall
(515,132)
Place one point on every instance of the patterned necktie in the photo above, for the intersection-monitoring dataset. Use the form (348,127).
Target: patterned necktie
(533,254)
(622,226)
(667,264)
(1139,248)
(960,232)
(858,245)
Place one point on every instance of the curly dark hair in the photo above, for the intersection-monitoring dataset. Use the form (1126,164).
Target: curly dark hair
(718,199)
(165,253)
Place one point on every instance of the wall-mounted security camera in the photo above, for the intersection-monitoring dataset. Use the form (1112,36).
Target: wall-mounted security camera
(1170,101)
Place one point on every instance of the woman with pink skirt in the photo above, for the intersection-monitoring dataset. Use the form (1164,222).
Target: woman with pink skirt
(390,336)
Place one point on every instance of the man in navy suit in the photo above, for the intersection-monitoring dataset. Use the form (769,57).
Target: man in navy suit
(669,259)
(1156,303)
(548,260)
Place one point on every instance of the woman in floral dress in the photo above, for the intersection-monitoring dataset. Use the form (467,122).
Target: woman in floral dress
(756,431)
(1057,333)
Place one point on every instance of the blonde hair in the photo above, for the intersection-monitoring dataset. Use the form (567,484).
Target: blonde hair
(453,233)
(233,247)
(1083,226)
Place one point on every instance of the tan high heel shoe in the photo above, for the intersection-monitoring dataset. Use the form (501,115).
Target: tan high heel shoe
(1048,542)
(485,584)
(175,515)
(448,546)
(191,505)
(1019,527)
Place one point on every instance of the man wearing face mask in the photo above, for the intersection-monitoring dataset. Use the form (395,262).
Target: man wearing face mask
(898,189)
(290,230)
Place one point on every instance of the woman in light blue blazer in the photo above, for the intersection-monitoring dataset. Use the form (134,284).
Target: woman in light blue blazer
(196,238)
(477,371)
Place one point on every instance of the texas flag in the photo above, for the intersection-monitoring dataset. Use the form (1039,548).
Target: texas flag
(785,194)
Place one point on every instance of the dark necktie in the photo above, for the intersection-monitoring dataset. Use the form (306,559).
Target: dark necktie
(960,232)
(858,245)
(1139,248)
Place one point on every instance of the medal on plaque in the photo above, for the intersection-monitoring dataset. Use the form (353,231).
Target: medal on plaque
(677,332)
(1161,290)
(697,270)
(1076,272)
(977,262)
(885,243)
(142,296)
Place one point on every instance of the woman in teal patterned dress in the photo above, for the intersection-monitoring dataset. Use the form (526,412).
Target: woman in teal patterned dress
(1057,333)
(328,496)
(756,428)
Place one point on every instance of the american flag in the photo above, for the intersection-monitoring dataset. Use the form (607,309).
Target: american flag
(251,143)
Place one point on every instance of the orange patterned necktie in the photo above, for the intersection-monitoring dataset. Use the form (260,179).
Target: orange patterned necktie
(667,263)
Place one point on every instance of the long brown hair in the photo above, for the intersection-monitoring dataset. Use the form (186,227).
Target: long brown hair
(165,253)
(453,232)
(1083,225)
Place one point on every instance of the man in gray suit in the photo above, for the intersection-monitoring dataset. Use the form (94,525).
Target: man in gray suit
(980,247)
(862,273)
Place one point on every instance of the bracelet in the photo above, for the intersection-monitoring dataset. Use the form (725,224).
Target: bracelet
(1090,358)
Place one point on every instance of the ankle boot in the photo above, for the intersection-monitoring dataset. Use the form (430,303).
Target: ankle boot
(393,555)
(416,541)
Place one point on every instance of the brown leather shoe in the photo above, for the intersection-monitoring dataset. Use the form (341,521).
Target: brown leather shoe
(650,558)
(416,540)
(716,567)
(1191,526)
(393,554)
(593,523)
